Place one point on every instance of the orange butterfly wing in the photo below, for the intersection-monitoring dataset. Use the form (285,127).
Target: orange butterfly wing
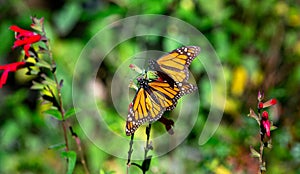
(176,63)
(152,100)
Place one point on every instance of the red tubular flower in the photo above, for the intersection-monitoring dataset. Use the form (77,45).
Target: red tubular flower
(13,67)
(266,125)
(24,38)
(270,102)
(266,104)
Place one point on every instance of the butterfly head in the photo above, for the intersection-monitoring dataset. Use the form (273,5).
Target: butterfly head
(142,81)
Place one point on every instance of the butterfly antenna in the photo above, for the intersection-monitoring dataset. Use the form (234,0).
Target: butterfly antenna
(136,68)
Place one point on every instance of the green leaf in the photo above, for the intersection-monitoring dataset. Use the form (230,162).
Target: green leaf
(34,72)
(72,112)
(253,115)
(36,86)
(272,126)
(48,80)
(146,163)
(54,113)
(71,156)
(106,172)
(254,153)
(43,63)
(37,24)
(57,146)
(269,145)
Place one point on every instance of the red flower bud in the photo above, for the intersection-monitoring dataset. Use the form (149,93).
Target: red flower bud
(132,66)
(260,96)
(260,105)
(265,115)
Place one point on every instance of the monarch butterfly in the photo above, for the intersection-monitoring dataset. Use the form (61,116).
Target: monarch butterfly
(156,95)
(153,98)
(173,67)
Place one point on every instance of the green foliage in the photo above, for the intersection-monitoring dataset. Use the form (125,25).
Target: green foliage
(71,157)
(71,112)
(54,113)
(67,18)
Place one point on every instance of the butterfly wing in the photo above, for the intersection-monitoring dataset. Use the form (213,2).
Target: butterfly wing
(184,88)
(176,63)
(171,93)
(145,107)
(165,93)
(152,100)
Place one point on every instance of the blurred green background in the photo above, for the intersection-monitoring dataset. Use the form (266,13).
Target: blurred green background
(258,43)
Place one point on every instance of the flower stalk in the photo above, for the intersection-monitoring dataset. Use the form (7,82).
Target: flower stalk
(262,118)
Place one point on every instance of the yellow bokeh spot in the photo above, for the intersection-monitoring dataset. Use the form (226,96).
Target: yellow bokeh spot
(231,106)
(294,20)
(296,48)
(239,81)
(187,4)
(222,170)
(281,8)
(257,78)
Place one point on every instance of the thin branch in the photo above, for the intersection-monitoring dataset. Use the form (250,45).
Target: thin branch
(79,148)
(148,145)
(130,150)
(261,149)
(129,153)
(58,86)
(147,159)
(261,162)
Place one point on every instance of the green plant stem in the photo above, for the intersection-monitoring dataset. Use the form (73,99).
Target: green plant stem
(148,146)
(62,111)
(129,153)
(79,148)
(261,162)
(147,159)
(261,149)
(58,86)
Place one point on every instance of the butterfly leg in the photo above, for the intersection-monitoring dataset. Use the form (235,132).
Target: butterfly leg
(132,85)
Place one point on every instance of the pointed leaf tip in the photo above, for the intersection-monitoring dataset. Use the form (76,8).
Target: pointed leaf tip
(71,156)
(254,153)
